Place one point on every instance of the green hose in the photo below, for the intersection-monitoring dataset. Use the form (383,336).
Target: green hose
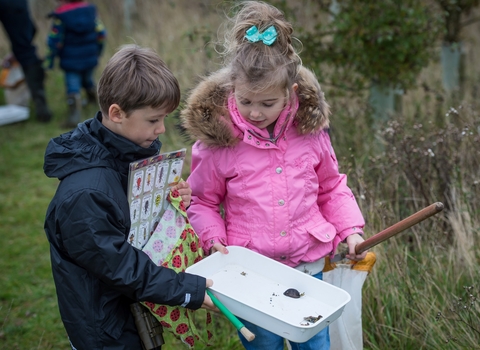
(231,317)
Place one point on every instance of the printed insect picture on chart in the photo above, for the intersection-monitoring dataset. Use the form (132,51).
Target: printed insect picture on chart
(149,182)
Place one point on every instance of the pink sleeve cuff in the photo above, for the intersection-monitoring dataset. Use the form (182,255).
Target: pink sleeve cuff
(345,233)
(208,244)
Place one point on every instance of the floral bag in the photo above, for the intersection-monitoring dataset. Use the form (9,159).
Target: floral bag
(174,244)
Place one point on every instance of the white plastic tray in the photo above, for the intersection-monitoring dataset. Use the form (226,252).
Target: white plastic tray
(251,286)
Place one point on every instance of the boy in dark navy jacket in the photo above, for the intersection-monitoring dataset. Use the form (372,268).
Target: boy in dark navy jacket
(97,273)
(76,37)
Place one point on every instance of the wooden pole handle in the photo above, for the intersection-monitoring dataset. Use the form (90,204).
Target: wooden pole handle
(399,227)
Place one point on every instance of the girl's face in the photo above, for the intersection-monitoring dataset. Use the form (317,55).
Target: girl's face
(260,109)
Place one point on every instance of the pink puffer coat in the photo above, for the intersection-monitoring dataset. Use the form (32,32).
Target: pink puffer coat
(282,198)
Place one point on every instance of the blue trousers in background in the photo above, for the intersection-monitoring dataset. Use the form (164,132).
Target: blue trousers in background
(266,340)
(75,81)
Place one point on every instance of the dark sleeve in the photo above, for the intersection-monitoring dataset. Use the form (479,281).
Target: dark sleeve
(101,35)
(54,42)
(93,230)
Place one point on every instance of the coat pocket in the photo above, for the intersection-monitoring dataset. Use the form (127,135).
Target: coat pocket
(114,316)
(322,231)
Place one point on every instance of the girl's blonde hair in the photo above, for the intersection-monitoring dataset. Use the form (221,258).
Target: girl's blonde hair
(259,65)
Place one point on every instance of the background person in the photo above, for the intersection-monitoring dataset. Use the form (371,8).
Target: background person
(77,37)
(20,29)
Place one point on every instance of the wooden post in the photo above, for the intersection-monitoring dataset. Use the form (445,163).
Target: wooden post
(128,6)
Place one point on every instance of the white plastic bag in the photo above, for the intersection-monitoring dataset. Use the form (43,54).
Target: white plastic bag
(346,332)
(13,81)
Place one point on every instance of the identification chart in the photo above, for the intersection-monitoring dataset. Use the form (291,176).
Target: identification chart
(149,183)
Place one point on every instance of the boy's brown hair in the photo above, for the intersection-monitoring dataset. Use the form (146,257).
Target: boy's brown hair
(136,77)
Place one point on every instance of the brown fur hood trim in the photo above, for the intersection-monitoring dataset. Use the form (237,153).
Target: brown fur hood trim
(206,117)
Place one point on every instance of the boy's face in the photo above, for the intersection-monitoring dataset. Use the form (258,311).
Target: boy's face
(142,126)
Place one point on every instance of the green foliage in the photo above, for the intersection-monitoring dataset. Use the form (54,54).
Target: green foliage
(387,42)
(425,305)
(453,11)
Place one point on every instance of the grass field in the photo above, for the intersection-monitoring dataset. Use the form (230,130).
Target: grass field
(423,291)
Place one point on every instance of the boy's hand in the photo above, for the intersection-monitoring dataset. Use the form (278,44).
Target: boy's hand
(352,241)
(185,192)
(207,302)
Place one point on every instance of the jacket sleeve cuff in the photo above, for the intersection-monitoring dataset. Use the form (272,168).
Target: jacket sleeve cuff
(195,300)
(348,232)
(208,244)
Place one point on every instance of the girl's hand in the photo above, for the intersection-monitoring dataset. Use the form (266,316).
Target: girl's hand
(218,247)
(207,301)
(352,241)
(185,192)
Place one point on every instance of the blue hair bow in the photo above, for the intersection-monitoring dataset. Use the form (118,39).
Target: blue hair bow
(268,36)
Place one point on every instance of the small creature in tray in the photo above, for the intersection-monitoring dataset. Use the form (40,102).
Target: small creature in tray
(293,293)
(313,319)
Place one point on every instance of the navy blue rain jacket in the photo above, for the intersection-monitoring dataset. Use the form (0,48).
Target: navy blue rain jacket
(96,272)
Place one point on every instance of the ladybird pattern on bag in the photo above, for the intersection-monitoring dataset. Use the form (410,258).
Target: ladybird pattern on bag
(175,245)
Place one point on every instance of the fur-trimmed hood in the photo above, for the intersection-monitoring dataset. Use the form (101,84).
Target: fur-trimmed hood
(206,116)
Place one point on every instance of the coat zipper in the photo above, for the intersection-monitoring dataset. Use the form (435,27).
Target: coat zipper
(271,139)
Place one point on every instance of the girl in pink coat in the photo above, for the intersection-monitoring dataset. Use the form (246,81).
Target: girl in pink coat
(264,174)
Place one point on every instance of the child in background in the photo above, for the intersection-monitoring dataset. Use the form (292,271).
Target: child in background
(76,37)
(97,273)
(263,151)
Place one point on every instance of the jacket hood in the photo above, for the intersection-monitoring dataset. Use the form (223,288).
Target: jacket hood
(92,145)
(77,17)
(206,117)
